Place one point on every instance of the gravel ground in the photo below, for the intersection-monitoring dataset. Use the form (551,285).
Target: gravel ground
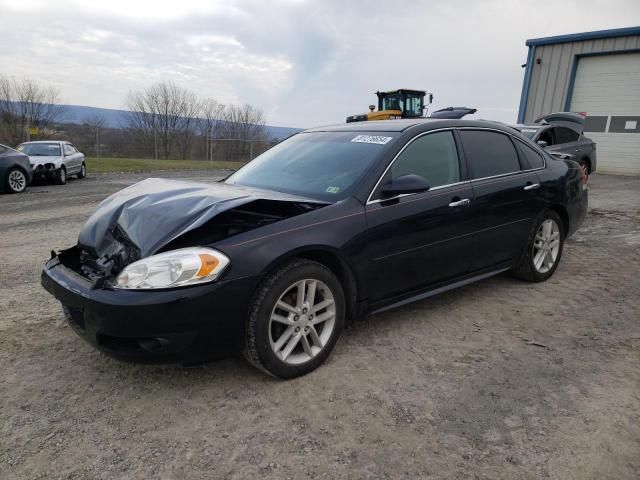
(501,379)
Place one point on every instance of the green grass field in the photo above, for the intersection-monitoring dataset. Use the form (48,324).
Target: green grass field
(107,165)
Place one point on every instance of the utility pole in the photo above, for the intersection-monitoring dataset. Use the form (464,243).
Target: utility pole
(155,141)
(97,143)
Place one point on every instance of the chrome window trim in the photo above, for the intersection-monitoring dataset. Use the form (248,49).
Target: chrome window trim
(369,201)
(402,195)
(470,181)
(515,138)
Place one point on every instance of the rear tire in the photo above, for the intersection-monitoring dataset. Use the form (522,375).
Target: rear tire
(543,250)
(16,181)
(289,333)
(83,171)
(586,167)
(61,176)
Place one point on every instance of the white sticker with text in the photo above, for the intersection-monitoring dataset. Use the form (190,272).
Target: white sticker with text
(377,139)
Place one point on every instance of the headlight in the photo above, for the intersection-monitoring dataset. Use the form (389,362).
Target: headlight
(178,268)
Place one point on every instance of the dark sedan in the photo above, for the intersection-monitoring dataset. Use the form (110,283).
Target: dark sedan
(561,134)
(15,170)
(327,226)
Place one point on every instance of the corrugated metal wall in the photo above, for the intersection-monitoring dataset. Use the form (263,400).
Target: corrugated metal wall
(550,79)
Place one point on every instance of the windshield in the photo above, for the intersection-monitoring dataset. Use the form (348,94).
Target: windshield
(322,165)
(40,149)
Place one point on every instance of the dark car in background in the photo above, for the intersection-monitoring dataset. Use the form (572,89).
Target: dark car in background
(561,134)
(15,170)
(327,226)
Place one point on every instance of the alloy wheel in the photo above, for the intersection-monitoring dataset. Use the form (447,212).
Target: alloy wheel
(63,175)
(302,321)
(546,246)
(17,181)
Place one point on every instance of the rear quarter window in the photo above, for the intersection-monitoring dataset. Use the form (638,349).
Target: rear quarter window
(489,153)
(531,158)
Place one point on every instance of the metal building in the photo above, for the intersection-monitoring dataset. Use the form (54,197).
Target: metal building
(593,72)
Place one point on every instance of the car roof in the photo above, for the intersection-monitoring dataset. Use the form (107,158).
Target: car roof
(531,126)
(46,141)
(405,124)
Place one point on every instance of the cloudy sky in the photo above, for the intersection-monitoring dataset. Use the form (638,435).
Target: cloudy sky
(304,63)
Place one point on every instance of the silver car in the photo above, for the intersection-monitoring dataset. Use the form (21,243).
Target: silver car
(54,160)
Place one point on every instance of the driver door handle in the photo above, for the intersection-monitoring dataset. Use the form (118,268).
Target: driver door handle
(532,186)
(460,203)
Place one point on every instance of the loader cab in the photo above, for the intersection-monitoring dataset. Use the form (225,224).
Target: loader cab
(410,103)
(394,104)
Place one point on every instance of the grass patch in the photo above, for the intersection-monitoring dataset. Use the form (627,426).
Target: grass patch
(108,165)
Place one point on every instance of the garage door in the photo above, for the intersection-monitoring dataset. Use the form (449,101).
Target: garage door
(607,87)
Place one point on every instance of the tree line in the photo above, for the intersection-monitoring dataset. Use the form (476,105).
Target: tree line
(165,121)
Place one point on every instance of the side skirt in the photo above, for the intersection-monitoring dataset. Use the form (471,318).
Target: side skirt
(436,291)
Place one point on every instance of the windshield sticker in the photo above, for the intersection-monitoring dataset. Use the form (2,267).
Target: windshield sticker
(333,189)
(377,139)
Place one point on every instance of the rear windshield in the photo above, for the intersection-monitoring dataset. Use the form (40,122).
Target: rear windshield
(40,149)
(320,165)
(528,132)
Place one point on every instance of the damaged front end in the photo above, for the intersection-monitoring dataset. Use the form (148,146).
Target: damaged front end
(156,216)
(100,270)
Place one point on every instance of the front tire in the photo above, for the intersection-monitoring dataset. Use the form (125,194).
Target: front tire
(543,250)
(296,319)
(16,181)
(61,176)
(83,171)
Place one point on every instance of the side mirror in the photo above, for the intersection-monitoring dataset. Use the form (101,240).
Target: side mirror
(405,184)
(372,107)
(542,144)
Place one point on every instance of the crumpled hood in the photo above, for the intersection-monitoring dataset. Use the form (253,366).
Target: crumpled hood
(155,211)
(40,160)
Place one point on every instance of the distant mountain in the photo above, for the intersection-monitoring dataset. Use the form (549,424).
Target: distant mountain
(118,119)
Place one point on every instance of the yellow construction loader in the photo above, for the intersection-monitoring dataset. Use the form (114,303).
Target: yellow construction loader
(401,103)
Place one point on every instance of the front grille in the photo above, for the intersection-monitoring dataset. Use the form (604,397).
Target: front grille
(75,316)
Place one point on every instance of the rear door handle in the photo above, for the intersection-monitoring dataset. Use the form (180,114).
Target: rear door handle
(460,203)
(532,186)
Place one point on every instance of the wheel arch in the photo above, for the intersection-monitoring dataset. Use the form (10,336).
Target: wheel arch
(17,166)
(587,160)
(331,259)
(562,212)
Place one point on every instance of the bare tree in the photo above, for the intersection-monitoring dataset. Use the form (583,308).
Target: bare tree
(94,123)
(25,104)
(165,115)
(211,123)
(246,124)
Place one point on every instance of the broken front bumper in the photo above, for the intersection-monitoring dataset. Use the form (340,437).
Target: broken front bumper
(46,171)
(187,324)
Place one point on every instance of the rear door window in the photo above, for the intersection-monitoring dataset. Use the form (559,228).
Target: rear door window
(489,153)
(565,135)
